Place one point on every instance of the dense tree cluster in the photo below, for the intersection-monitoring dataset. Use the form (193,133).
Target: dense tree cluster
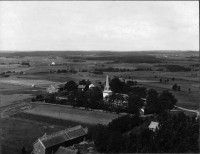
(128,59)
(175,87)
(175,134)
(117,86)
(175,68)
(124,98)
(159,103)
(111,69)
(64,71)
(143,69)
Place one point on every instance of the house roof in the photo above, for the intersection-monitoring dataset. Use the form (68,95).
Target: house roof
(63,150)
(153,125)
(91,85)
(124,95)
(62,136)
(55,86)
(81,86)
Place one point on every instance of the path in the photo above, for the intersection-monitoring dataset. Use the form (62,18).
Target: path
(195,111)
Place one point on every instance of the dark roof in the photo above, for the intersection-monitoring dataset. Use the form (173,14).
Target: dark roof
(62,136)
(61,85)
(63,150)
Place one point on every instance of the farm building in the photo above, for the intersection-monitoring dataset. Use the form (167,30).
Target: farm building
(63,150)
(49,144)
(153,125)
(81,87)
(53,89)
(123,102)
(91,86)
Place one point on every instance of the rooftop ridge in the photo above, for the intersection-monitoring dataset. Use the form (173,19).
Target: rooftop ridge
(46,137)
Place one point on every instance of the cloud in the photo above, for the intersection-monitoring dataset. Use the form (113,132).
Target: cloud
(111,25)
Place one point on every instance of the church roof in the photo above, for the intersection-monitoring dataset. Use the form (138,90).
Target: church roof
(107,81)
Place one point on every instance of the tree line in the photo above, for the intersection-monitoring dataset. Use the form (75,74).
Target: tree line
(175,68)
(116,102)
(175,134)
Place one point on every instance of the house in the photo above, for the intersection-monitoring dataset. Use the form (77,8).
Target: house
(53,89)
(141,112)
(107,91)
(122,79)
(63,150)
(123,102)
(91,86)
(153,126)
(81,87)
(49,144)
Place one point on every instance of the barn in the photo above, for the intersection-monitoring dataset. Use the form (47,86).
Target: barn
(53,89)
(49,144)
(63,150)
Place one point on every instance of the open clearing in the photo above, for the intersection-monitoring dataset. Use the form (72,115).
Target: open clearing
(17,133)
(83,116)
(10,99)
(28,82)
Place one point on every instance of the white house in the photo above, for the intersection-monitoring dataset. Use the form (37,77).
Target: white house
(91,86)
(53,89)
(153,125)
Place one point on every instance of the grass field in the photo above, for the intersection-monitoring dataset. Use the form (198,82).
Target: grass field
(83,116)
(11,99)
(30,125)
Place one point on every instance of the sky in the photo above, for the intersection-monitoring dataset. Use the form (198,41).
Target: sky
(99,25)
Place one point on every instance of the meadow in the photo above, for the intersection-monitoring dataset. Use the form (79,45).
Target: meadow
(33,123)
(78,115)
(23,130)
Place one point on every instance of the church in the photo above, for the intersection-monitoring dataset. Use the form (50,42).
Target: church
(107,91)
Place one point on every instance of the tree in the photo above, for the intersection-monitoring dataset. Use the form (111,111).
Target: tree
(114,144)
(52,99)
(70,85)
(123,123)
(23,150)
(176,134)
(179,88)
(152,101)
(116,85)
(166,100)
(101,138)
(82,82)
(134,104)
(94,97)
(39,98)
(175,87)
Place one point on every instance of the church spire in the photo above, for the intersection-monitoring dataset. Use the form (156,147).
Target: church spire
(107,87)
(107,81)
(107,90)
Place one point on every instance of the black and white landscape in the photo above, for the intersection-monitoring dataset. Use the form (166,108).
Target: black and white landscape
(99,77)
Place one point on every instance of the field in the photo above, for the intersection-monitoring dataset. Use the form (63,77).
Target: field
(23,130)
(17,89)
(11,99)
(78,115)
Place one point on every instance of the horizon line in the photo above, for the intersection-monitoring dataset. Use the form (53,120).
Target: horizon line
(9,51)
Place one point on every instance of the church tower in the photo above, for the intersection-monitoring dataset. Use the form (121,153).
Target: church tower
(107,90)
